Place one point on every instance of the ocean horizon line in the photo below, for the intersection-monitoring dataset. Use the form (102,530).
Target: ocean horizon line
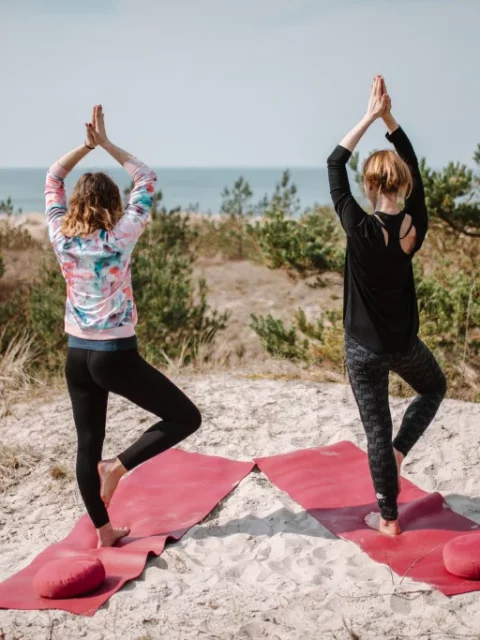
(200,188)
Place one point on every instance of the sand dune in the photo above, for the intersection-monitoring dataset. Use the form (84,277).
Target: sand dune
(259,567)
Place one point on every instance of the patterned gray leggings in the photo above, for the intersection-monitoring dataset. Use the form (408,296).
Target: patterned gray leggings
(368,373)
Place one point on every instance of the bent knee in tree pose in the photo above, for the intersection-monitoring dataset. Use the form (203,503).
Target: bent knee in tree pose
(93,238)
(380,305)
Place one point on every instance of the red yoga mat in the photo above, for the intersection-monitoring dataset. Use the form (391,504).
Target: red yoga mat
(333,484)
(161,499)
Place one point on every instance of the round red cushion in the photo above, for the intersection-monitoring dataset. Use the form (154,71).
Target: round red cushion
(69,577)
(461,556)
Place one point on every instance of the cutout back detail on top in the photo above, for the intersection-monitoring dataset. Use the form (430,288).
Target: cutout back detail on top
(392,228)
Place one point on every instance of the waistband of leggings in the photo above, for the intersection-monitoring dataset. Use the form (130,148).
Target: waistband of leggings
(117,344)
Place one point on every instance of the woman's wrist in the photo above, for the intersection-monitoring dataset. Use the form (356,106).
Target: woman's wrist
(390,122)
(89,147)
(369,119)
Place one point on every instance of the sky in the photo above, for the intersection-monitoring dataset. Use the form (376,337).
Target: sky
(216,83)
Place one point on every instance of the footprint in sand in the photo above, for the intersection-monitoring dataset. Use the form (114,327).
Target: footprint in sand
(400,604)
(363,574)
(319,553)
(430,470)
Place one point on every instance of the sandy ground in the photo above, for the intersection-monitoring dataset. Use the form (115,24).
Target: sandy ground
(243,288)
(259,567)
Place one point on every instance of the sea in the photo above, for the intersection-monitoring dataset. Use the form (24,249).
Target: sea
(198,189)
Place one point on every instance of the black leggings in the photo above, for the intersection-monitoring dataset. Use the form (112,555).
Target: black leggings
(368,373)
(90,376)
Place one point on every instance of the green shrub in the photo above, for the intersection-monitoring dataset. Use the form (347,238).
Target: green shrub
(215,238)
(7,206)
(452,196)
(318,330)
(310,244)
(175,319)
(323,240)
(315,331)
(326,335)
(172,231)
(228,234)
(14,237)
(237,208)
(276,231)
(320,341)
(279,341)
(2,268)
(449,305)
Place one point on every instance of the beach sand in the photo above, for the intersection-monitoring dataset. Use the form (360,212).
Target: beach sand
(259,566)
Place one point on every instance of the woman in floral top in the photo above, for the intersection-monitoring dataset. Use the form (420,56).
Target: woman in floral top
(93,239)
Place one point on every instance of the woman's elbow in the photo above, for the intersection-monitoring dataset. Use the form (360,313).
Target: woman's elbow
(331,161)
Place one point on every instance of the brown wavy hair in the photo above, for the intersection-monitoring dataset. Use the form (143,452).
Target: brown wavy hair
(388,172)
(95,204)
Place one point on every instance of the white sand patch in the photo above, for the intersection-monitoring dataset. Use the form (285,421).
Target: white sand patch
(259,567)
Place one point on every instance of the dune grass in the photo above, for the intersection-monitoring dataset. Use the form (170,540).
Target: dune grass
(15,378)
(16,462)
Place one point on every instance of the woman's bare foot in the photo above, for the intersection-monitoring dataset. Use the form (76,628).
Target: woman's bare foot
(108,536)
(399,458)
(388,527)
(110,472)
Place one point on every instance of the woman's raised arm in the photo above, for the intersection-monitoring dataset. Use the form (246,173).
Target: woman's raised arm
(349,211)
(130,226)
(55,195)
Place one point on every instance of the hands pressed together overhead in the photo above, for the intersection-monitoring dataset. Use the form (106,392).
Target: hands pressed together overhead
(379,106)
(95,135)
(95,130)
(380,103)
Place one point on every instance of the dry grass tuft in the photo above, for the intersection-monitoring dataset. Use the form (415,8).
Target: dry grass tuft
(15,463)
(14,377)
(217,356)
(58,472)
(272,375)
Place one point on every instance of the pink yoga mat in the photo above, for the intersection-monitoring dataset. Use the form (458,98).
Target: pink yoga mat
(333,484)
(161,499)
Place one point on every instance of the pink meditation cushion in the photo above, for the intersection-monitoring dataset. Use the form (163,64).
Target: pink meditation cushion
(461,556)
(69,577)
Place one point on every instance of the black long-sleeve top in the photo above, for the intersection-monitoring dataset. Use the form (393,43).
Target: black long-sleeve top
(380,303)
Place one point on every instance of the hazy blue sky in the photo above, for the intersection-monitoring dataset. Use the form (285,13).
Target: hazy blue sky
(235,83)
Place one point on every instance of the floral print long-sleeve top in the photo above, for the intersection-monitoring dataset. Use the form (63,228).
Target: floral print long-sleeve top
(97,267)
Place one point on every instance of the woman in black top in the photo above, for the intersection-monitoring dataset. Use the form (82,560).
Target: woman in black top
(380,304)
